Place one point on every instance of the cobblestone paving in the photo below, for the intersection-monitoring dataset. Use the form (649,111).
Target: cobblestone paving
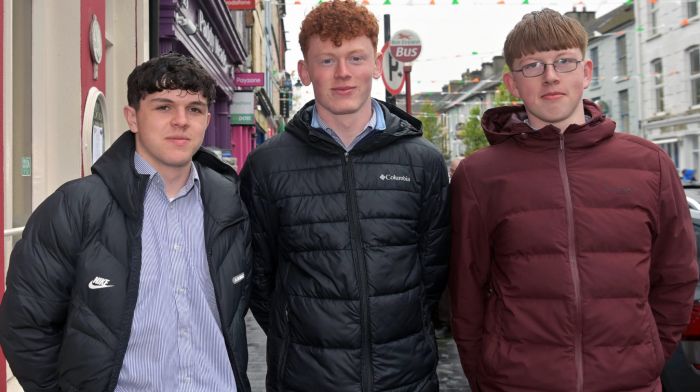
(449,370)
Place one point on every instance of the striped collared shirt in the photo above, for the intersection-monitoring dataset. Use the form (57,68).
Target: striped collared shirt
(376,123)
(176,343)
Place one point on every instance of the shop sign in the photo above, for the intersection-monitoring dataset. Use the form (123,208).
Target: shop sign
(250,79)
(240,4)
(243,108)
(212,41)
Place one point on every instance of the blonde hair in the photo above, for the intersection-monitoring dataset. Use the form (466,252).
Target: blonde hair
(541,31)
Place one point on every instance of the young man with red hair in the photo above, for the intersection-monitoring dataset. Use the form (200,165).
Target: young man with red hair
(350,222)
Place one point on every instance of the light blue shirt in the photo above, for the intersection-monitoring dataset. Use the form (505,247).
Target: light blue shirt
(176,343)
(376,123)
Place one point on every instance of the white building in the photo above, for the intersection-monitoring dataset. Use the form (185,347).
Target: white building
(669,37)
(616,80)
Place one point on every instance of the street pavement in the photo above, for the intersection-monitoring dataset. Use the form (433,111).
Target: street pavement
(449,370)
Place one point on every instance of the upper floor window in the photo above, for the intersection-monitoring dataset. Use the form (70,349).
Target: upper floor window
(596,70)
(653,15)
(624,102)
(621,50)
(658,77)
(694,59)
(693,8)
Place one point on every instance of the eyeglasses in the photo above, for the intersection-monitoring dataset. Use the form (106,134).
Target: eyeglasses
(537,68)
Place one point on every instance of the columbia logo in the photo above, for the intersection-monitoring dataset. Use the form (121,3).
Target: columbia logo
(99,283)
(394,177)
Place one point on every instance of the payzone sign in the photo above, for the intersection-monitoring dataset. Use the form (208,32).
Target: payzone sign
(405,46)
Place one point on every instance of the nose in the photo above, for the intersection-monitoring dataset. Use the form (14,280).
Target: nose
(550,75)
(179,117)
(341,70)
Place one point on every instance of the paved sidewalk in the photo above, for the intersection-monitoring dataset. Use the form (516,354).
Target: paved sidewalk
(449,370)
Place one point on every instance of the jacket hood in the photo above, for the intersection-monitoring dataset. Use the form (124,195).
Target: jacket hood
(398,124)
(505,122)
(116,168)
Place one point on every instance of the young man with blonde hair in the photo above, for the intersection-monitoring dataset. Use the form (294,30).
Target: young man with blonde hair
(573,256)
(350,222)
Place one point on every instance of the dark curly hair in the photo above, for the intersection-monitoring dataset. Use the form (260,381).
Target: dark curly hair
(338,20)
(171,71)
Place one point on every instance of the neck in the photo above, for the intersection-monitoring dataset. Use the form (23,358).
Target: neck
(347,126)
(174,180)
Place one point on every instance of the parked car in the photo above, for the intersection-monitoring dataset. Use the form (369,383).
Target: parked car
(682,371)
(692,195)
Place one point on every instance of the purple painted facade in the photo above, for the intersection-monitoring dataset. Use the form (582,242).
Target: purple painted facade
(204,29)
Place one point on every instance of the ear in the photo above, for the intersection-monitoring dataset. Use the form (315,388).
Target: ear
(208,119)
(303,71)
(587,73)
(509,80)
(130,117)
(377,66)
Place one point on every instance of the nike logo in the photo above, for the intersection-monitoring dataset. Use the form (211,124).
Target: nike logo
(99,283)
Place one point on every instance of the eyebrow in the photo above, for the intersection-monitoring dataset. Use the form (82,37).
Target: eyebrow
(168,100)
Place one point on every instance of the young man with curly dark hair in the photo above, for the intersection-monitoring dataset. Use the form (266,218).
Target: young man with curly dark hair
(350,225)
(136,278)
(573,255)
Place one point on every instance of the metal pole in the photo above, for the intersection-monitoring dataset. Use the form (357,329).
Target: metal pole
(407,72)
(387,37)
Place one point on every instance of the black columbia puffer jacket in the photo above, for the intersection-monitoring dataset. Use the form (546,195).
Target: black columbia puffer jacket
(60,336)
(351,254)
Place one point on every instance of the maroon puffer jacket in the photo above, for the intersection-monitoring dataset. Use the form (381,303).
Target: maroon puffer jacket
(573,258)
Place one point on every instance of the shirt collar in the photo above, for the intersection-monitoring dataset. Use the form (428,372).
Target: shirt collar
(376,121)
(143,167)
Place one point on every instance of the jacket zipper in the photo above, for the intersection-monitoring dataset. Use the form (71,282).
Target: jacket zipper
(573,263)
(361,269)
(133,284)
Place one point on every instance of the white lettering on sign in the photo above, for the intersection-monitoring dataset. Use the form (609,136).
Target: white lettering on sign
(208,34)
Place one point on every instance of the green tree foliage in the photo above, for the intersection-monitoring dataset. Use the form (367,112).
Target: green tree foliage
(432,130)
(504,97)
(471,133)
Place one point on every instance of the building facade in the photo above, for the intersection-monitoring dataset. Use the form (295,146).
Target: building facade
(669,35)
(616,79)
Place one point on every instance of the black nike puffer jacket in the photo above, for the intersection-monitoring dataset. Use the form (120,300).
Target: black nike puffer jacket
(59,335)
(350,256)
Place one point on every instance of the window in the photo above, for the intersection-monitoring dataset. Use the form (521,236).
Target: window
(621,46)
(693,8)
(671,148)
(594,59)
(653,15)
(624,101)
(657,73)
(694,57)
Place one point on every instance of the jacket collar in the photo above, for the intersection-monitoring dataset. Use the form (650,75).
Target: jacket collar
(399,124)
(508,122)
(116,169)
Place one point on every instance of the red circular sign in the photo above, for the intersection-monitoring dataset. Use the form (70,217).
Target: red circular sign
(405,46)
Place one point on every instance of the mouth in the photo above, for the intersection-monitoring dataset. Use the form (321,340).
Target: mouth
(343,90)
(178,141)
(552,95)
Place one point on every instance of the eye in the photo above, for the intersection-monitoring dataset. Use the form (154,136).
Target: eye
(357,59)
(534,65)
(566,61)
(162,108)
(327,61)
(196,109)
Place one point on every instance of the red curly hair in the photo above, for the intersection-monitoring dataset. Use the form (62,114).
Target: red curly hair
(338,20)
